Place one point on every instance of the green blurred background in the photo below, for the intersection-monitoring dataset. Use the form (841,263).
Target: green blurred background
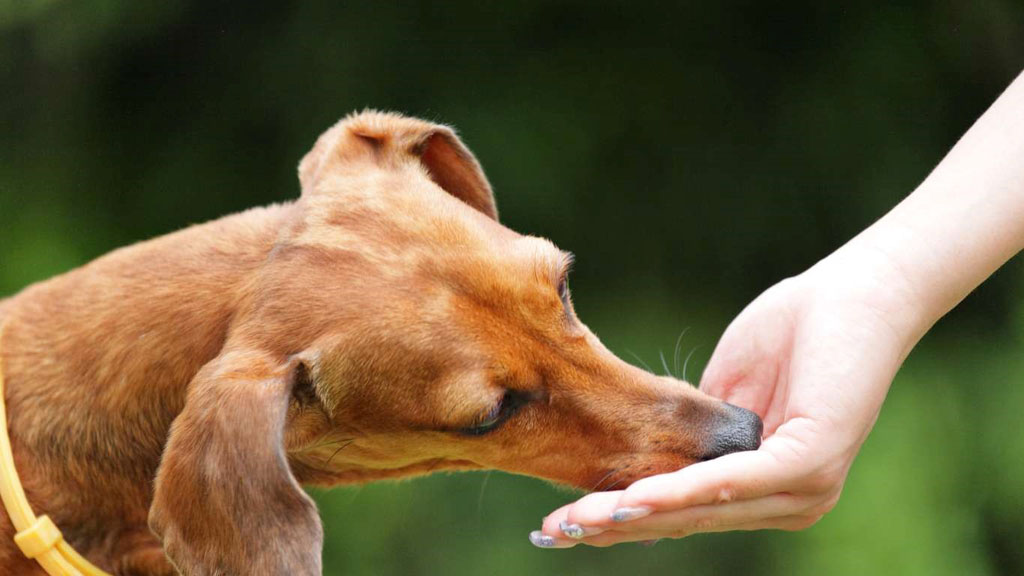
(691,155)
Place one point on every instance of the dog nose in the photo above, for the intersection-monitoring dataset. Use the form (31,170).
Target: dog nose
(734,429)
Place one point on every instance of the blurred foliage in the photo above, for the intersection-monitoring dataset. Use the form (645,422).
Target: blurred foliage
(691,154)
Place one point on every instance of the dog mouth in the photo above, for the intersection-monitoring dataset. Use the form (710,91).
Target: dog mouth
(634,467)
(731,439)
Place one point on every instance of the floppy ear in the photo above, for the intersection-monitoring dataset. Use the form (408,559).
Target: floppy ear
(385,137)
(226,502)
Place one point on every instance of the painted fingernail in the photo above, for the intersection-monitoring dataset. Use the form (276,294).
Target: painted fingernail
(541,540)
(576,531)
(628,513)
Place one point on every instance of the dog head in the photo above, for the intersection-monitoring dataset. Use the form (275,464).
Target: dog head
(397,328)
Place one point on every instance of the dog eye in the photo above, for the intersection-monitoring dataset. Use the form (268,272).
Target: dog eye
(509,404)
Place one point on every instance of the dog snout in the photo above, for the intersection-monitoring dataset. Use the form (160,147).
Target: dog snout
(733,429)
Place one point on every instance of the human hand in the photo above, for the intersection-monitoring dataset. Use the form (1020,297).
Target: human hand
(814,356)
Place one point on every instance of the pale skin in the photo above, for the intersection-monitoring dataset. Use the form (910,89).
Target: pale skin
(815,354)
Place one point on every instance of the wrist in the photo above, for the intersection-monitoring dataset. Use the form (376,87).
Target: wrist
(961,224)
(874,277)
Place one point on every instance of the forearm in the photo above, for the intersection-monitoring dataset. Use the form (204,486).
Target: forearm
(961,224)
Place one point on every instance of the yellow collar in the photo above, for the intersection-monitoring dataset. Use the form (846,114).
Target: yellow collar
(38,537)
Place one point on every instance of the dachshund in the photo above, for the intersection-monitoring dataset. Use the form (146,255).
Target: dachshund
(168,401)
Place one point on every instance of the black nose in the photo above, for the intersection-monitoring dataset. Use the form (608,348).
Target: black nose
(734,429)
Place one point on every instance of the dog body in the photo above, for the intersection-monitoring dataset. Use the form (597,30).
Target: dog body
(89,412)
(166,401)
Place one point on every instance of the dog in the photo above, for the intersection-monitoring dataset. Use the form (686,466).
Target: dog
(167,401)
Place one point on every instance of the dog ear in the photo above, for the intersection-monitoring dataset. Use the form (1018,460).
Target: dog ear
(226,501)
(389,138)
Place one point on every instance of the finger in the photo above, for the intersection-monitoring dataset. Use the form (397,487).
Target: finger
(734,360)
(703,483)
(719,376)
(542,540)
(590,514)
(612,537)
(709,517)
(733,477)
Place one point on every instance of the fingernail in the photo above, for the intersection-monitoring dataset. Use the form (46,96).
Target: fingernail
(541,540)
(628,513)
(576,531)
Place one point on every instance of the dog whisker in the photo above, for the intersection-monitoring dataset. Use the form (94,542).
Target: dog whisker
(603,478)
(358,490)
(340,448)
(480,498)
(687,362)
(329,443)
(677,349)
(664,364)
(614,485)
(610,484)
(321,443)
(322,436)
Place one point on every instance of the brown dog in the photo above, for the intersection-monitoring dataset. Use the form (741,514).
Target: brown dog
(383,325)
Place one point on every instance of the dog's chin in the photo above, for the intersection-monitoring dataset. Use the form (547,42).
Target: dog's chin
(612,476)
(619,476)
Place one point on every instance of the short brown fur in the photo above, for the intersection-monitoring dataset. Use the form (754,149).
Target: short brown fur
(193,382)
